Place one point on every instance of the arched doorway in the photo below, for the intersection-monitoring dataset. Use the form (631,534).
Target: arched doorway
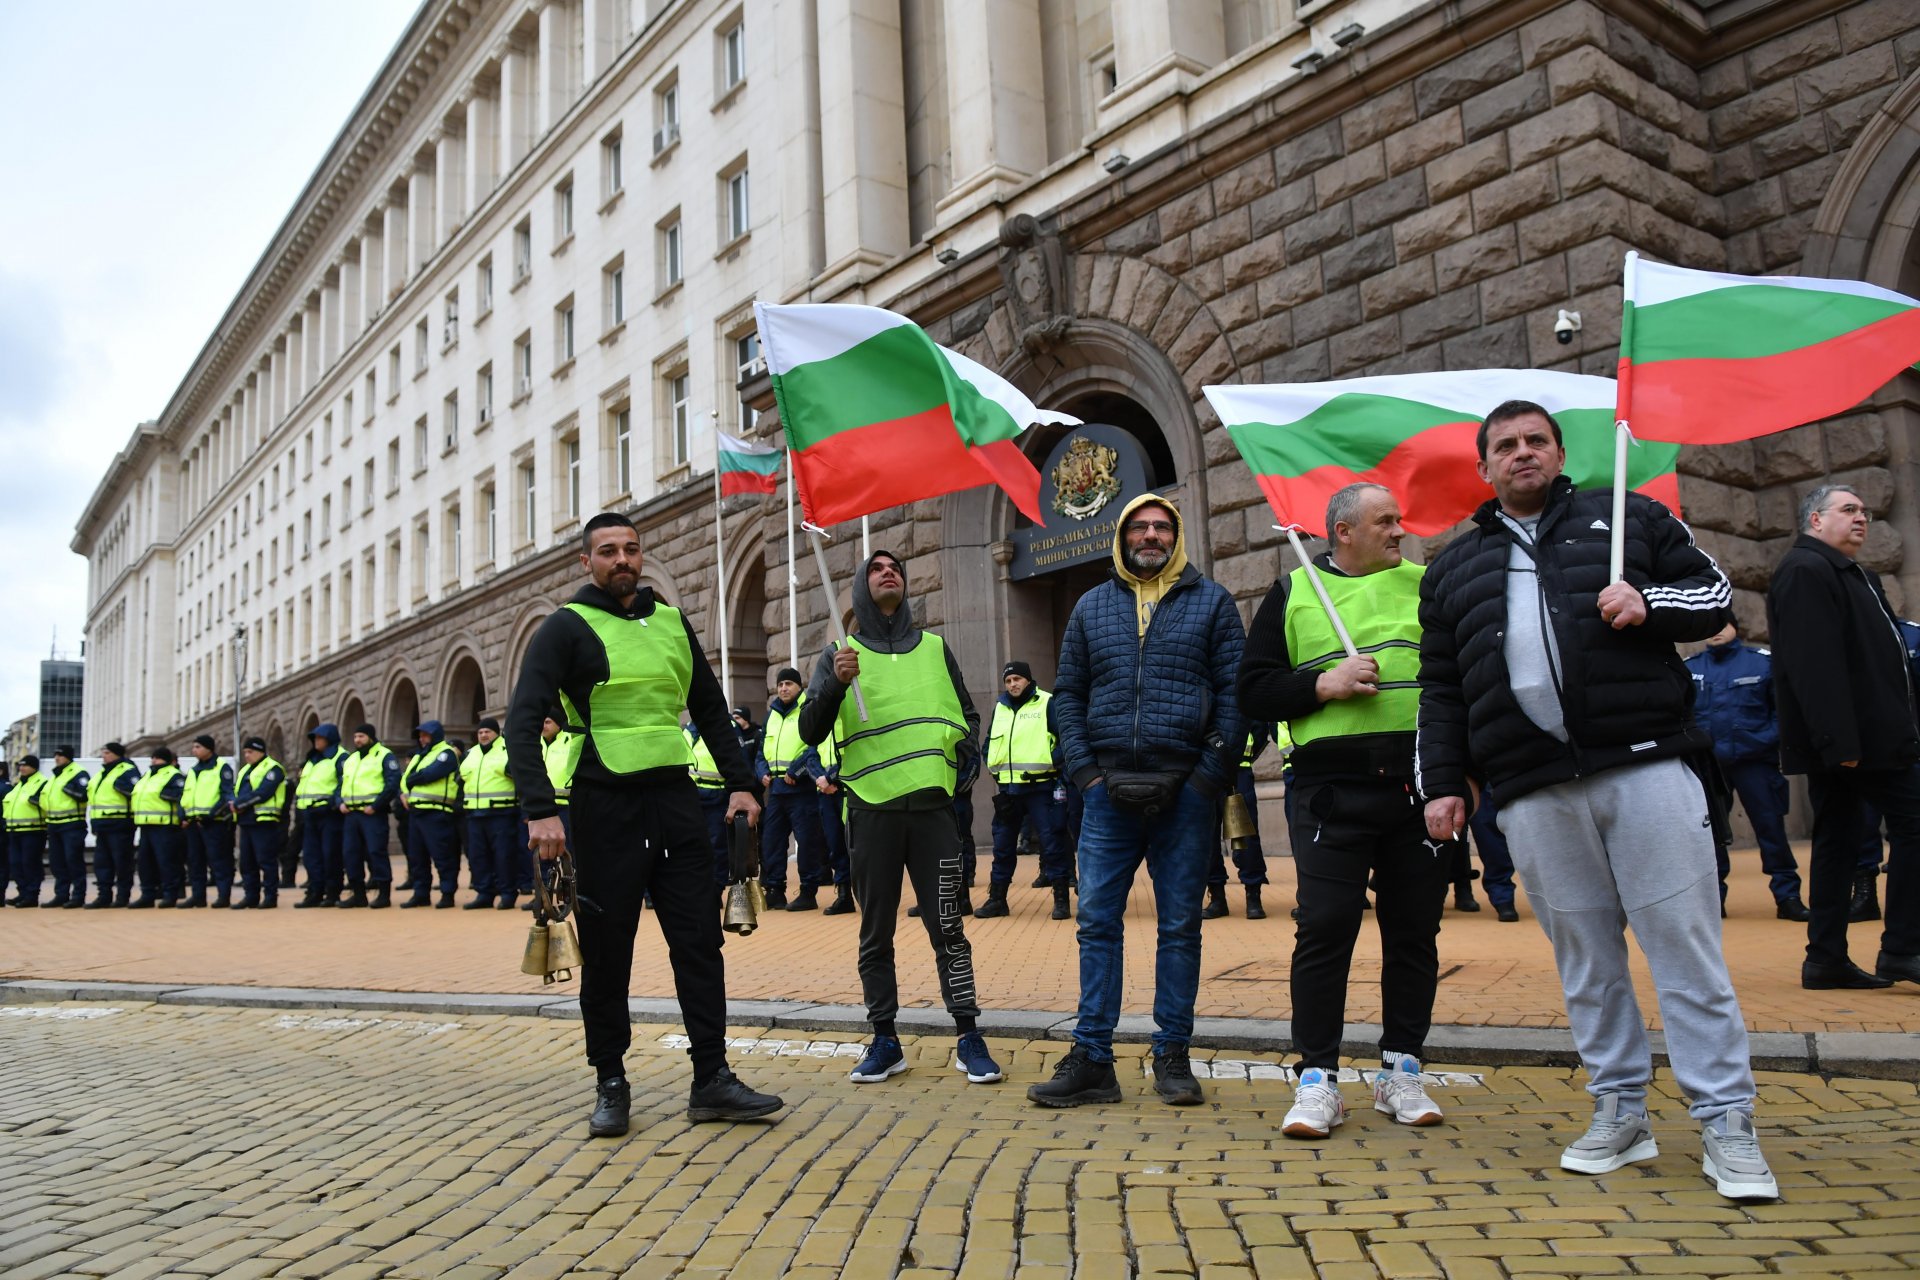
(352,714)
(466,698)
(747,633)
(403,712)
(276,737)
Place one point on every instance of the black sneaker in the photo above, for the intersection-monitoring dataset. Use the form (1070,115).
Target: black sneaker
(1077,1081)
(611,1100)
(726,1097)
(1173,1079)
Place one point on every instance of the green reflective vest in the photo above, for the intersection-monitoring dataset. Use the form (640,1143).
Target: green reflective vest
(202,796)
(914,723)
(103,799)
(1283,740)
(782,746)
(483,774)
(60,807)
(363,776)
(633,716)
(318,781)
(1381,611)
(267,810)
(704,771)
(439,794)
(560,755)
(21,806)
(1019,744)
(150,808)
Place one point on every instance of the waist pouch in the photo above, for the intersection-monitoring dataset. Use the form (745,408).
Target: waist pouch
(1144,791)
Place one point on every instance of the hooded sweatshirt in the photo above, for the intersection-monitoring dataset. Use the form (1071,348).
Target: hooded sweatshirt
(884,634)
(1147,591)
(442,759)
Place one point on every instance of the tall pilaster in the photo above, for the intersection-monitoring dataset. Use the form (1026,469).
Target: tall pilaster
(449,181)
(555,93)
(863,135)
(1161,45)
(373,262)
(601,37)
(995,96)
(802,228)
(330,318)
(483,143)
(350,300)
(420,203)
(399,265)
(516,116)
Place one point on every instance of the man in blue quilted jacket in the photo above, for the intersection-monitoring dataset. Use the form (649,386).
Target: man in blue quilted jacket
(1149,729)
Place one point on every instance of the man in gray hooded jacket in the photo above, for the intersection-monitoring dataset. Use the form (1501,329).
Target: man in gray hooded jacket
(898,764)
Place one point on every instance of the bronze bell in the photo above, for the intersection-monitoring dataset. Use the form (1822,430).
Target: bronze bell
(743,915)
(534,962)
(1240,828)
(563,953)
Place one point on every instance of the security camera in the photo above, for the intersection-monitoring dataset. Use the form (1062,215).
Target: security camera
(1566,326)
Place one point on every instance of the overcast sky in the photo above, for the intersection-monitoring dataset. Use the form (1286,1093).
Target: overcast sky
(149,152)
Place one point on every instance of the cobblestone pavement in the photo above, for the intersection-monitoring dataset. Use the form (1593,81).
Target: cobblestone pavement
(1492,974)
(237,1143)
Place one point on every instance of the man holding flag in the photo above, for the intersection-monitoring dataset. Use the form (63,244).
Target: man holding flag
(1561,686)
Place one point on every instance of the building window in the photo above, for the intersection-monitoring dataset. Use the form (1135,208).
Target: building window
(733,56)
(326,522)
(570,474)
(346,417)
(369,397)
(522,367)
(422,550)
(450,325)
(613,287)
(306,535)
(563,213)
(670,252)
(622,423)
(420,339)
(450,422)
(735,212)
(420,444)
(456,551)
(326,436)
(483,395)
(366,485)
(393,574)
(529,530)
(393,374)
(483,288)
(522,250)
(490,523)
(746,364)
(346,504)
(613,181)
(676,395)
(666,116)
(306,455)
(563,334)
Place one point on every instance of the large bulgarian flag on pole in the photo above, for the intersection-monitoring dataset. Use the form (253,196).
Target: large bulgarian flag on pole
(746,466)
(1709,358)
(1414,433)
(878,414)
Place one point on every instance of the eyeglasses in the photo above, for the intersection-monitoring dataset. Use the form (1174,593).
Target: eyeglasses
(1149,526)
(1849,510)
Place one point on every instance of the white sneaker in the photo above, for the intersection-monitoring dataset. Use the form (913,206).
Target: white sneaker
(1399,1092)
(1317,1107)
(1732,1159)
(1612,1141)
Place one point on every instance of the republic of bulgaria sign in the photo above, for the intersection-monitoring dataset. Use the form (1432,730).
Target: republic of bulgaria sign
(1086,478)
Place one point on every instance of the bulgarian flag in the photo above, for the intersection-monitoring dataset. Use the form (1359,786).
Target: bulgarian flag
(1709,358)
(746,467)
(1414,433)
(878,414)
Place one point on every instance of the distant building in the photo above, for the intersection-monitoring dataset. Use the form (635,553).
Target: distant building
(23,738)
(62,685)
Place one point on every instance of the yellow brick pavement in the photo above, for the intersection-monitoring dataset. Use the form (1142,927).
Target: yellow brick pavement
(1492,974)
(141,1140)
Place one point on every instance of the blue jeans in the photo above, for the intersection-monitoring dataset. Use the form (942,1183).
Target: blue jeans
(1176,844)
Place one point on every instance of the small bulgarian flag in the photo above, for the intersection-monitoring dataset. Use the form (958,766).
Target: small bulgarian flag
(878,414)
(746,467)
(1709,358)
(1414,433)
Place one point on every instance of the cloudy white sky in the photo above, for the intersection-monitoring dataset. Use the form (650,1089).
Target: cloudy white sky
(148,154)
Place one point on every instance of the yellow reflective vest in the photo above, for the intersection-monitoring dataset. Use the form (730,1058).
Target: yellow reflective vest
(21,806)
(363,776)
(1019,744)
(318,782)
(484,776)
(560,756)
(104,800)
(704,771)
(150,808)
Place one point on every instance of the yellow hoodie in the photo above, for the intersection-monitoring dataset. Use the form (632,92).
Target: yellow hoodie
(1147,591)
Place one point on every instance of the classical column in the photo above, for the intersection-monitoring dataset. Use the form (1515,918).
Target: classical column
(330,318)
(349,310)
(1162,43)
(995,102)
(601,37)
(450,187)
(555,93)
(424,232)
(483,140)
(398,265)
(797,86)
(515,116)
(863,135)
(373,292)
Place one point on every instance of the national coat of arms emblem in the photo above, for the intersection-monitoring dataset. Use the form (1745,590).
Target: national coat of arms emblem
(1086,478)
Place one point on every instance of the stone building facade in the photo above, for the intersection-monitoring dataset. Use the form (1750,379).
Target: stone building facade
(1296,192)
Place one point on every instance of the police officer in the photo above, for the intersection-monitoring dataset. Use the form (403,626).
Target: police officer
(493,819)
(1250,860)
(785,769)
(369,782)
(156,816)
(1733,698)
(429,787)
(207,812)
(110,813)
(64,802)
(1021,756)
(259,800)
(559,752)
(317,797)
(26,832)
(712,786)
(830,801)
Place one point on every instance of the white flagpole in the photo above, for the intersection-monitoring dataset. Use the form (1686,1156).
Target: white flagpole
(720,566)
(1319,588)
(1622,431)
(793,577)
(818,538)
(866,540)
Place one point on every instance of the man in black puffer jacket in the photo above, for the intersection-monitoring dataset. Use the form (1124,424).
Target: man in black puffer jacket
(1561,688)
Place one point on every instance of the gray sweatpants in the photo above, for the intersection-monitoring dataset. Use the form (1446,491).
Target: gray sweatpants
(1632,847)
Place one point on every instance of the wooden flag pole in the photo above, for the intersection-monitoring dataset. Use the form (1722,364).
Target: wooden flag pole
(818,538)
(1319,588)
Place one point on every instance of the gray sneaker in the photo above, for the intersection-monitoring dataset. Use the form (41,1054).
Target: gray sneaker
(1731,1157)
(1614,1139)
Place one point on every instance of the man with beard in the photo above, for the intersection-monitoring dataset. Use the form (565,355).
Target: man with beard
(623,665)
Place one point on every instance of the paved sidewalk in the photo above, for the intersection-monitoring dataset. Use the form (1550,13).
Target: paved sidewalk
(139,1140)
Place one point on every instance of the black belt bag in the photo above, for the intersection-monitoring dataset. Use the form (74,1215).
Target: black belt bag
(1146,792)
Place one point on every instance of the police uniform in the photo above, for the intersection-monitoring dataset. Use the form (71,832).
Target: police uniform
(26,826)
(492,807)
(369,781)
(707,779)
(792,809)
(64,801)
(1733,700)
(322,826)
(832,808)
(207,810)
(558,754)
(259,805)
(156,819)
(1250,860)
(110,814)
(1021,756)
